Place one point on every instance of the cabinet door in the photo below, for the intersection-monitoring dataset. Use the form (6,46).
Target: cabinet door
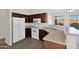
(29,19)
(26,19)
(42,34)
(43,17)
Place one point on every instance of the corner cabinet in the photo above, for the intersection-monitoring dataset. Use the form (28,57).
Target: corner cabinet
(42,34)
(43,16)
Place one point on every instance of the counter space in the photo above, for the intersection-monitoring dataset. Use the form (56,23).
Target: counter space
(54,35)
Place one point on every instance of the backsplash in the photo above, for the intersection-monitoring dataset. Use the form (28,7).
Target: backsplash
(27,25)
(43,25)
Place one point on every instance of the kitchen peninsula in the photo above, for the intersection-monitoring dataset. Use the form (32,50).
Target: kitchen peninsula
(55,39)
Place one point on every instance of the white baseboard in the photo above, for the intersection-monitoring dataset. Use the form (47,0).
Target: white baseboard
(8,43)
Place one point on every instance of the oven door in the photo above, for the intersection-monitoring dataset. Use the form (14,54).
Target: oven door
(35,33)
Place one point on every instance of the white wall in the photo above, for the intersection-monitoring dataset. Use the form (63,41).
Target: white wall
(5,25)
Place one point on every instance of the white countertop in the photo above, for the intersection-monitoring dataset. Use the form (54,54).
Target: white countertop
(56,36)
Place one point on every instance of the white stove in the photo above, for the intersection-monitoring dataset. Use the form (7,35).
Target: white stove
(35,29)
(35,33)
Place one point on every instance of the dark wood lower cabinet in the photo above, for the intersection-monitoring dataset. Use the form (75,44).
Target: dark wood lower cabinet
(28,32)
(42,34)
(53,45)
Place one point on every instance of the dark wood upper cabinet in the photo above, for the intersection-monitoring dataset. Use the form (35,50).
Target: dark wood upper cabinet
(43,17)
(18,15)
(29,18)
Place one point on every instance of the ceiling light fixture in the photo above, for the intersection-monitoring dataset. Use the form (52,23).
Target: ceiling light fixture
(69,10)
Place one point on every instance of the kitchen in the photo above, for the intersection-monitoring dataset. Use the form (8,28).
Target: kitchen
(33,28)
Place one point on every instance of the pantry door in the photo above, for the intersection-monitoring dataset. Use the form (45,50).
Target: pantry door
(15,29)
(22,28)
(18,29)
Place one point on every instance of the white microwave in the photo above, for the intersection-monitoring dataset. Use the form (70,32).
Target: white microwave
(37,20)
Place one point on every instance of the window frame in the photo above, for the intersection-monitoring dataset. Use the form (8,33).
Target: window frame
(59,17)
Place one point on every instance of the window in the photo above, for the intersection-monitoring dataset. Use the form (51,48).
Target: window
(59,20)
(74,21)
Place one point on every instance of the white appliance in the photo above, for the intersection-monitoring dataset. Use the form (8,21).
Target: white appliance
(35,33)
(18,29)
(35,29)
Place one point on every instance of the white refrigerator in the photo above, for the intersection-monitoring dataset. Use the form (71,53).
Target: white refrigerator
(18,29)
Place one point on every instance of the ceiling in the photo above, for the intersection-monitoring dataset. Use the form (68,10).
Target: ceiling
(35,11)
